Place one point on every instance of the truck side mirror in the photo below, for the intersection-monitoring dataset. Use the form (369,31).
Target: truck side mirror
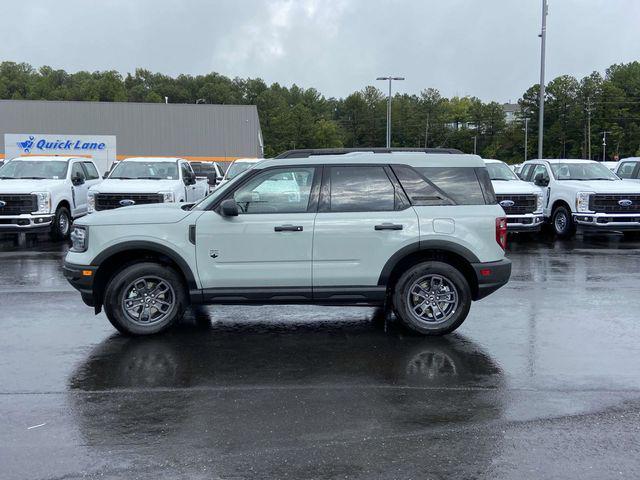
(229,208)
(540,181)
(212,179)
(77,179)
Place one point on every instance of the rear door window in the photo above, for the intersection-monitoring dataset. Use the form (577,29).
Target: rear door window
(460,184)
(360,189)
(91,171)
(524,174)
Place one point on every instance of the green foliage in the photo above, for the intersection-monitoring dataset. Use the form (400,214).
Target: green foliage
(296,117)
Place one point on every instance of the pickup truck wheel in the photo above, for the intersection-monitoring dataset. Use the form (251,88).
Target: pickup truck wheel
(145,298)
(432,298)
(563,223)
(61,224)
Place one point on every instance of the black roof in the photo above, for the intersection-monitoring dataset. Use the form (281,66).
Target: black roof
(304,153)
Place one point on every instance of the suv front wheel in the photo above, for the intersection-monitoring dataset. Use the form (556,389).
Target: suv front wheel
(432,298)
(145,298)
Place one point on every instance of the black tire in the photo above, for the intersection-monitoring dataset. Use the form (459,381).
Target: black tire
(455,281)
(562,222)
(61,224)
(121,284)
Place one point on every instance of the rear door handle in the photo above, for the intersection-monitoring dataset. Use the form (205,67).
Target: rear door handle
(388,226)
(288,228)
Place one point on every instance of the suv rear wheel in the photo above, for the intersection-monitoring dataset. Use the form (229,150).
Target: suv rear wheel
(145,298)
(432,298)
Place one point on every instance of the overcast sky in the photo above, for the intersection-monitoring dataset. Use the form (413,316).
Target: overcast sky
(487,48)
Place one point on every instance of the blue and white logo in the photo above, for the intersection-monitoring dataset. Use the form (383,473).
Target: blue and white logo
(625,203)
(127,203)
(27,145)
(68,145)
(507,203)
(3,204)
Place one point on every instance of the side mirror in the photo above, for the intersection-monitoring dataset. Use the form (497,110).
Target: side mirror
(212,179)
(105,176)
(540,181)
(229,208)
(77,179)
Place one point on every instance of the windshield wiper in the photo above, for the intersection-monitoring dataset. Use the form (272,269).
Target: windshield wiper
(149,178)
(122,178)
(34,178)
(7,178)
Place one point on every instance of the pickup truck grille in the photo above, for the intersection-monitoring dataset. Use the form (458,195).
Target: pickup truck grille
(604,203)
(109,201)
(18,203)
(522,204)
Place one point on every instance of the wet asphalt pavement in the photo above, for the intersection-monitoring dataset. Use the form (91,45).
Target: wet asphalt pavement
(541,381)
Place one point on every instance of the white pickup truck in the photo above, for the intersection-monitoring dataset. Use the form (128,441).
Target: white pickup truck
(521,201)
(585,194)
(44,193)
(144,180)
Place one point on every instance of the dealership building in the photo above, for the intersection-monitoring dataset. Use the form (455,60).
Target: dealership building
(109,131)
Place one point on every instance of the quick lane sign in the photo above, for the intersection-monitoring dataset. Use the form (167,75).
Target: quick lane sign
(102,148)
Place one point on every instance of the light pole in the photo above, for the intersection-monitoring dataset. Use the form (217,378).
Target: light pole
(604,146)
(390,79)
(526,138)
(543,36)
(475,144)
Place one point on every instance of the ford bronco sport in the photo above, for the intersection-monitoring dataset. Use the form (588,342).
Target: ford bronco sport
(416,232)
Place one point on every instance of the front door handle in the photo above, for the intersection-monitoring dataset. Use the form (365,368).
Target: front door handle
(288,228)
(388,226)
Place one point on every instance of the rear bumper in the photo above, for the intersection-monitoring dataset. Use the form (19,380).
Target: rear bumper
(604,222)
(25,223)
(525,223)
(491,276)
(78,277)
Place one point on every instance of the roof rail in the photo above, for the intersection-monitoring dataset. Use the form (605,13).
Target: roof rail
(308,152)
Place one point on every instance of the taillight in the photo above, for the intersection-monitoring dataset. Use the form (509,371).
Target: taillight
(501,232)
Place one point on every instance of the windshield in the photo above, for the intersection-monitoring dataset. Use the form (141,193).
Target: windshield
(582,171)
(237,168)
(500,171)
(35,169)
(145,170)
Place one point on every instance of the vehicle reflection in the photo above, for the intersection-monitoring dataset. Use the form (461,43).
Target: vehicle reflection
(236,386)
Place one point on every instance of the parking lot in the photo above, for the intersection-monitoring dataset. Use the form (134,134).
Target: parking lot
(542,380)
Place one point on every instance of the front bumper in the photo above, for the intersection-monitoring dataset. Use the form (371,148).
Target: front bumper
(25,223)
(608,221)
(529,222)
(491,276)
(81,278)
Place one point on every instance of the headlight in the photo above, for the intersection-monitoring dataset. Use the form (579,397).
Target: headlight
(582,201)
(539,203)
(167,197)
(79,239)
(44,202)
(91,202)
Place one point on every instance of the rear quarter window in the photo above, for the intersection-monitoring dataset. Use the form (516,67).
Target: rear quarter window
(464,185)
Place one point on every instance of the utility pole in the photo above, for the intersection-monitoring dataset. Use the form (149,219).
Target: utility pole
(604,146)
(543,36)
(526,138)
(589,127)
(390,79)
(525,112)
(426,133)
(475,144)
